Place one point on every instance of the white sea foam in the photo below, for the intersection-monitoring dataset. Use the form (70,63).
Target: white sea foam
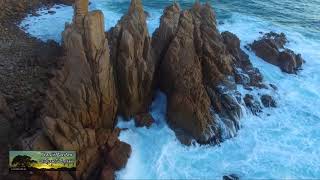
(280,143)
(48,26)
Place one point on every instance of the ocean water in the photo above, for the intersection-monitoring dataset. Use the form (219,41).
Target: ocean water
(280,143)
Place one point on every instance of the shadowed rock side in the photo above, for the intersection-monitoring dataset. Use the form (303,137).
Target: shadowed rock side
(133,62)
(271,49)
(198,68)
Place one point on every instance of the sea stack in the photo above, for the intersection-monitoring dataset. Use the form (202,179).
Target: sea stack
(81,105)
(198,69)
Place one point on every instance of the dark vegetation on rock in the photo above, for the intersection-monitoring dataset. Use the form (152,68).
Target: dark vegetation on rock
(271,49)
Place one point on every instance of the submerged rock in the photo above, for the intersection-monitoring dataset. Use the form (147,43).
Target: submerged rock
(271,49)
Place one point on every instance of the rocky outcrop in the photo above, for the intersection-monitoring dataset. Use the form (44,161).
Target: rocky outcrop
(198,66)
(244,71)
(271,49)
(82,96)
(131,56)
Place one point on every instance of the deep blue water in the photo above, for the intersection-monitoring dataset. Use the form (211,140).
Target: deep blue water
(280,143)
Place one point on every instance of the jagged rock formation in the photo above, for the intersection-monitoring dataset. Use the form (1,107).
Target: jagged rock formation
(244,71)
(198,66)
(133,62)
(271,49)
(81,102)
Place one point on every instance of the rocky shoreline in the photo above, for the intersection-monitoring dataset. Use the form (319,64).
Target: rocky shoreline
(77,90)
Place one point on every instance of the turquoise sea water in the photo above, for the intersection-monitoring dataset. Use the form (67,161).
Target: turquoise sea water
(280,143)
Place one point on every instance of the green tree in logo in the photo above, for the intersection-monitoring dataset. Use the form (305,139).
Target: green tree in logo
(23,161)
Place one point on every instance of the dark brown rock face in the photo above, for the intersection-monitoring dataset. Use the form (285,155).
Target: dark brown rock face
(271,49)
(119,155)
(133,62)
(197,68)
(107,173)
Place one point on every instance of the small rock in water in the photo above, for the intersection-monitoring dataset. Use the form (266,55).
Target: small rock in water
(268,101)
(142,120)
(271,48)
(273,86)
(252,104)
(247,47)
(51,12)
(231,177)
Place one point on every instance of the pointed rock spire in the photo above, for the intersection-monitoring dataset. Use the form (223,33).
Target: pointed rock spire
(80,11)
